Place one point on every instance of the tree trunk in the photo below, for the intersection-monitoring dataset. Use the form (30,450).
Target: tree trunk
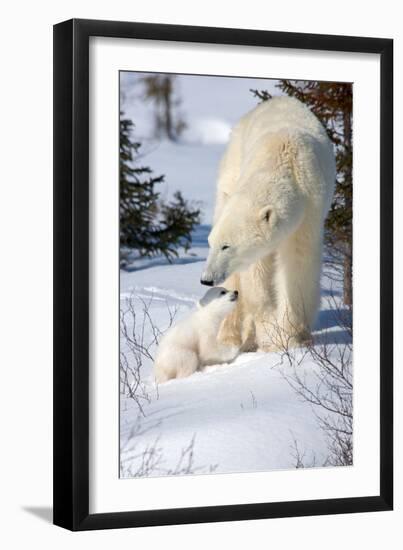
(348,276)
(348,259)
(168,110)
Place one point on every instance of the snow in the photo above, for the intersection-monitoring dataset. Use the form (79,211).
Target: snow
(239,417)
(207,131)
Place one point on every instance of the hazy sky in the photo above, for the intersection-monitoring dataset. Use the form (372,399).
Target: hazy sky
(224,99)
(210,107)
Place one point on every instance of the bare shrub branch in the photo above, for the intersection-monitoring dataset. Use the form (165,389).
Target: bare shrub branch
(299,456)
(150,460)
(139,335)
(328,386)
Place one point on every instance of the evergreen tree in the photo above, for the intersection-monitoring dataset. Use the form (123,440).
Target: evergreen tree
(147,224)
(332,103)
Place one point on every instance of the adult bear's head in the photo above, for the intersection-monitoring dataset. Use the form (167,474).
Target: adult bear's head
(249,228)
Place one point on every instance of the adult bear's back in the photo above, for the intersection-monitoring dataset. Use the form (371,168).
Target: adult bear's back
(281,113)
(286,118)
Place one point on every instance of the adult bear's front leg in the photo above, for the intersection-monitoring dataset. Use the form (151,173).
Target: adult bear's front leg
(230,330)
(297,286)
(238,330)
(273,337)
(269,336)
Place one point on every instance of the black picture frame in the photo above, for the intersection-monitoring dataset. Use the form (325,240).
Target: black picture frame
(71,274)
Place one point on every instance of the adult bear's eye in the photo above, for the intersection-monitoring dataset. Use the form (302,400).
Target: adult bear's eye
(225,247)
(223,292)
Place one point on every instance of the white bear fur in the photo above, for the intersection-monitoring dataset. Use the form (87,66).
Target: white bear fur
(192,343)
(275,187)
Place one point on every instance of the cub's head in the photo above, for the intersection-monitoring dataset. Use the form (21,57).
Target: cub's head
(219,301)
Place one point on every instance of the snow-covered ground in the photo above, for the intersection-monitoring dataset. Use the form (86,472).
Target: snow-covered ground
(236,417)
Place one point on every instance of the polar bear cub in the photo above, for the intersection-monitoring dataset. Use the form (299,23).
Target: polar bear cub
(192,343)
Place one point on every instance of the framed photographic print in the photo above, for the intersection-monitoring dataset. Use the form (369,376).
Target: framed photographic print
(223,321)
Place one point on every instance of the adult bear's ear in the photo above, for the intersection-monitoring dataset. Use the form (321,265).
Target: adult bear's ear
(265,213)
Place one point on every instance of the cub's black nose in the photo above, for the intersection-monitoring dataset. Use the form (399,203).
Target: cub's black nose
(236,292)
(206,282)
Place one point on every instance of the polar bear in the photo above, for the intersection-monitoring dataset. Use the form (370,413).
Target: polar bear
(275,186)
(192,343)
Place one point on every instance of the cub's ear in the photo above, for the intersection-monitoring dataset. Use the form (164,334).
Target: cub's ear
(265,213)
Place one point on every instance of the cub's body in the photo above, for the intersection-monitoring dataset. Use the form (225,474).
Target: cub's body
(192,343)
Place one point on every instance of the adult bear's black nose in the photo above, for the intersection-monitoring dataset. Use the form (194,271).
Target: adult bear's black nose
(207,282)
